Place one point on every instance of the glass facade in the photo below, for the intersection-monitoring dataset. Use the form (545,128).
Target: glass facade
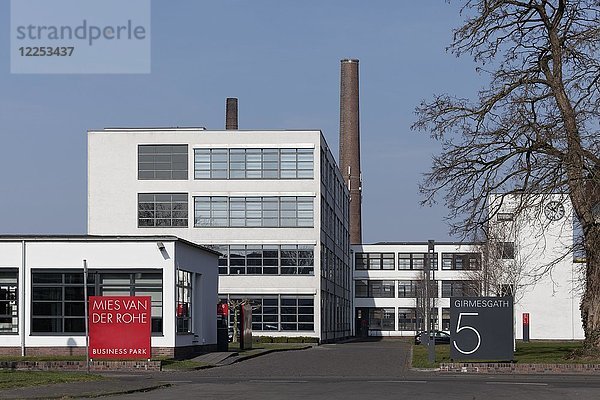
(163,161)
(266,259)
(254,212)
(275,312)
(460,288)
(381,319)
(253,163)
(415,261)
(9,319)
(374,288)
(184,301)
(58,297)
(461,261)
(162,210)
(374,261)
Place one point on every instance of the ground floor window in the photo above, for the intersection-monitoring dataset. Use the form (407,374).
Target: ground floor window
(381,319)
(445,319)
(8,301)
(58,303)
(413,319)
(184,302)
(275,312)
(407,319)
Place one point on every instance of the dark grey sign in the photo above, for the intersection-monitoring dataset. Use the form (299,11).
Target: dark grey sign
(481,328)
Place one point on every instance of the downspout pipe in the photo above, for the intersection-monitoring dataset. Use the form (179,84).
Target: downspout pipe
(21,305)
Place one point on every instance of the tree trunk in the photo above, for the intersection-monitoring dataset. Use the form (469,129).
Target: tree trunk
(590,303)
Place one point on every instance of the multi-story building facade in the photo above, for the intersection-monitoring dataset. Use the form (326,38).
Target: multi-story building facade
(272,202)
(389,285)
(529,255)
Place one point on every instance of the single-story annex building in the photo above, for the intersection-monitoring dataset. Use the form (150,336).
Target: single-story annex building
(42,292)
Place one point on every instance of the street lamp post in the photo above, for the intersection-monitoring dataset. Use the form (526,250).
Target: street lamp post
(429,274)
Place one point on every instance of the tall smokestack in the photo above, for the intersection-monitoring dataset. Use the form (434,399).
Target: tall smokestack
(350,144)
(231,114)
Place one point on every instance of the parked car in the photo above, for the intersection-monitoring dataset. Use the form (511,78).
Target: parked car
(440,337)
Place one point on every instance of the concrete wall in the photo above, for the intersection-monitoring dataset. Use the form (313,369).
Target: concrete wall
(118,255)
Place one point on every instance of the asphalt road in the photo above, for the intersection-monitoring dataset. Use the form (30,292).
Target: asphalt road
(367,370)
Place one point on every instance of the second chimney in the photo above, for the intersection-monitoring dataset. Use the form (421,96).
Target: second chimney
(231,114)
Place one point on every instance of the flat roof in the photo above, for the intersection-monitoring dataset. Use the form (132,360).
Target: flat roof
(419,243)
(102,238)
(192,129)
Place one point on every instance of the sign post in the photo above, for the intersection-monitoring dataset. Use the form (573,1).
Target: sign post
(526,327)
(85,312)
(481,328)
(430,337)
(120,327)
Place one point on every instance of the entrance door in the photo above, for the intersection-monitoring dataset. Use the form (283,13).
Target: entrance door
(362,322)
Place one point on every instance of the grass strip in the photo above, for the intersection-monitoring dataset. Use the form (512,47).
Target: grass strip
(542,352)
(15,379)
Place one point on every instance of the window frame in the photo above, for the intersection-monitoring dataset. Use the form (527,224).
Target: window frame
(96,287)
(170,160)
(175,206)
(11,300)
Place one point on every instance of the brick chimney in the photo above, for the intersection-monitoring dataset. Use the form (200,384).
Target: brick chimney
(231,114)
(350,144)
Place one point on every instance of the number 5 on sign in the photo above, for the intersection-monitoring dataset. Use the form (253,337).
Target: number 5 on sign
(460,328)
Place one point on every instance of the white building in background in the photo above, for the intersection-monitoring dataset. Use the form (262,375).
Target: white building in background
(533,249)
(273,202)
(42,291)
(538,246)
(388,285)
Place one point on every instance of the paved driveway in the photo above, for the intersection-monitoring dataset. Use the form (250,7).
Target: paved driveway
(358,370)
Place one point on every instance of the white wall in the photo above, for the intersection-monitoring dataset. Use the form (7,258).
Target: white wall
(113,187)
(104,255)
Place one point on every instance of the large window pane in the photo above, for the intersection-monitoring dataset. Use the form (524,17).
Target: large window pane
(162,210)
(169,162)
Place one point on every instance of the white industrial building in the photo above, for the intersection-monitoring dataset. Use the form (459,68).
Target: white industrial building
(529,255)
(272,202)
(42,291)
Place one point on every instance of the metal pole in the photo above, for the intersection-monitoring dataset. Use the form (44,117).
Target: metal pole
(430,269)
(85,308)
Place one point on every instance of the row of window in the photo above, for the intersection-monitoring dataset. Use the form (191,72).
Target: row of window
(275,313)
(170,162)
(165,210)
(58,303)
(271,212)
(266,259)
(9,321)
(253,164)
(409,319)
(412,288)
(416,261)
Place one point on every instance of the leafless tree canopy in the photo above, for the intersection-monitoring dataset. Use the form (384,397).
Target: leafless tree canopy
(544,67)
(534,129)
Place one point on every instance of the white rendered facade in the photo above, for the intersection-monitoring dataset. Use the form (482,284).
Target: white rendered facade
(545,279)
(43,276)
(549,285)
(401,274)
(272,201)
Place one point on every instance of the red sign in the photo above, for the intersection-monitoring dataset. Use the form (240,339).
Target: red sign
(525,318)
(120,327)
(222,309)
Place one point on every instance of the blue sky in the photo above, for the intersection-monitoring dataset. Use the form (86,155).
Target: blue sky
(281,59)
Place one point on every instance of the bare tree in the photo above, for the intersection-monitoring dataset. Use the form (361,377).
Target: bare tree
(505,269)
(235,306)
(533,130)
(423,295)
